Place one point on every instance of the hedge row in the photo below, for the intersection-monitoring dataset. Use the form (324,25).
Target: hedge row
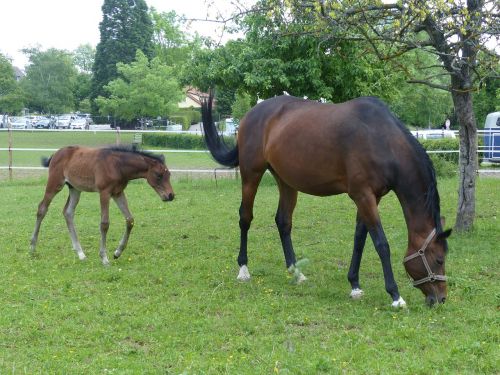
(445,164)
(178,141)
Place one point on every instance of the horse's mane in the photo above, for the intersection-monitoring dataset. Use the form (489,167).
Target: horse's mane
(134,149)
(432,202)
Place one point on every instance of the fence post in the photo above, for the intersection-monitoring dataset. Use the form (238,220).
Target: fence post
(9,131)
(118,135)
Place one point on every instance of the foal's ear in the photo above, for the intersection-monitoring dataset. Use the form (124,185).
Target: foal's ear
(162,158)
(444,235)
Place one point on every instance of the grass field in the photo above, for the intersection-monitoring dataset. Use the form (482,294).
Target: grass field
(171,304)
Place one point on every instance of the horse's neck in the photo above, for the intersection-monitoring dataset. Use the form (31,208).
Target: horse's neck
(136,168)
(419,218)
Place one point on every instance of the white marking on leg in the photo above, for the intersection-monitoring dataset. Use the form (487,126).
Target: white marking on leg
(356,293)
(298,277)
(400,303)
(244,274)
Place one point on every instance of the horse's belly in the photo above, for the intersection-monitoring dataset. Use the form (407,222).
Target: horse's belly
(81,182)
(318,180)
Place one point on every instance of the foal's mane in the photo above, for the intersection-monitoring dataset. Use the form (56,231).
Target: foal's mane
(133,149)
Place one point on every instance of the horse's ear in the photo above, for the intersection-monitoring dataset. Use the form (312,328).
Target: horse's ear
(444,235)
(162,158)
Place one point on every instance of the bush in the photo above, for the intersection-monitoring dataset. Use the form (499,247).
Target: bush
(178,141)
(445,164)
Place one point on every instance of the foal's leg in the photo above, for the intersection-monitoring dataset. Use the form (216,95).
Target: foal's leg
(104,198)
(53,187)
(283,219)
(121,201)
(250,183)
(359,244)
(368,212)
(69,214)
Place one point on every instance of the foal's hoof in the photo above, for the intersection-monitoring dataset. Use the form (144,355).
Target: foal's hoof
(356,293)
(244,274)
(399,304)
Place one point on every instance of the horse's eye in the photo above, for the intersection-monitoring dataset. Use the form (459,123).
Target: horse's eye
(440,261)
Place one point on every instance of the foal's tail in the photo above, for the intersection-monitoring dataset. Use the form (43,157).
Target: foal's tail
(46,161)
(219,150)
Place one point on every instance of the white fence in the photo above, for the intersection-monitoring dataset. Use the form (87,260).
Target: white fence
(10,149)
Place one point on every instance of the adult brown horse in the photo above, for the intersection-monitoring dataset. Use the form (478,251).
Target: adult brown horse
(357,147)
(106,171)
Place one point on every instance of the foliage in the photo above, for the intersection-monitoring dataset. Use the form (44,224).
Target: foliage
(170,44)
(126,27)
(186,117)
(84,57)
(487,100)
(143,89)
(241,105)
(174,141)
(171,304)
(11,96)
(50,81)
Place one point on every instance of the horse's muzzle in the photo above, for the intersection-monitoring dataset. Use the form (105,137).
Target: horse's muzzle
(168,197)
(431,300)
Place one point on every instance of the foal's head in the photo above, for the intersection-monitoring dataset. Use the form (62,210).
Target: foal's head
(158,176)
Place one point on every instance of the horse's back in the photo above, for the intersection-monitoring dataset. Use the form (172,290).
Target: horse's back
(324,149)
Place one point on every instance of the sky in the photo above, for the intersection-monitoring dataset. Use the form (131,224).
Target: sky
(66,24)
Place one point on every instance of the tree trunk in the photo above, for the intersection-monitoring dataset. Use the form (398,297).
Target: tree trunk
(468,160)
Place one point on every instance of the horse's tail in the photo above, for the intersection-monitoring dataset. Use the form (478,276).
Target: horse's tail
(220,151)
(46,161)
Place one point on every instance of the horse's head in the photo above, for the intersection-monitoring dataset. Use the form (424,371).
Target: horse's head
(158,176)
(425,266)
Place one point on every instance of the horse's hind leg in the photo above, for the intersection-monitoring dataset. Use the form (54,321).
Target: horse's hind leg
(53,187)
(104,197)
(121,202)
(283,219)
(250,183)
(359,244)
(69,215)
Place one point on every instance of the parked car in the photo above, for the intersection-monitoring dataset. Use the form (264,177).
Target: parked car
(434,134)
(79,123)
(20,123)
(64,121)
(45,123)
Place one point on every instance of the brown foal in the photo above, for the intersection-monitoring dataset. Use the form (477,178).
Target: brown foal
(106,171)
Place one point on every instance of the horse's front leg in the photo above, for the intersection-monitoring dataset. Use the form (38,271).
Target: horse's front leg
(104,198)
(367,205)
(121,202)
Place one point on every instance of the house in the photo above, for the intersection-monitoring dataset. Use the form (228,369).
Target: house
(193,98)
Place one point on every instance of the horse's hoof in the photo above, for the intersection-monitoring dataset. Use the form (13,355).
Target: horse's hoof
(399,304)
(356,293)
(115,256)
(301,278)
(105,263)
(244,274)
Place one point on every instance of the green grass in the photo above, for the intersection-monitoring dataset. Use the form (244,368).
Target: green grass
(171,304)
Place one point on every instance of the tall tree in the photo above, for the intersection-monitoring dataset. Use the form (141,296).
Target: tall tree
(11,97)
(50,81)
(126,27)
(457,32)
(143,89)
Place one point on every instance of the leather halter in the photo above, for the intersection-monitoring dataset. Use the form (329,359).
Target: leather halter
(431,277)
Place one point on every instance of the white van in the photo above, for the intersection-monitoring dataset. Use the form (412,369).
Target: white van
(492,137)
